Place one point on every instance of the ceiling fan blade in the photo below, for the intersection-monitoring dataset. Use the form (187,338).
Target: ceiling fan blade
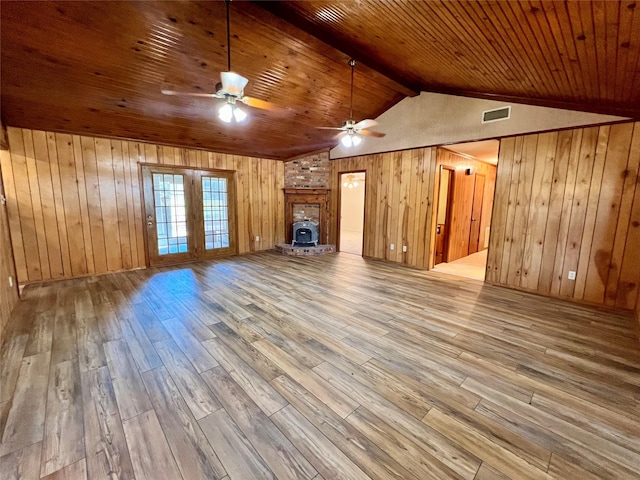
(365,124)
(340,135)
(331,128)
(232,83)
(189,94)
(257,103)
(371,133)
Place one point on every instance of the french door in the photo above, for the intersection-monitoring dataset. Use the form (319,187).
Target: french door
(189,214)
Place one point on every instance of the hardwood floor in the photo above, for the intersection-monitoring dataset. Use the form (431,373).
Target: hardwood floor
(333,367)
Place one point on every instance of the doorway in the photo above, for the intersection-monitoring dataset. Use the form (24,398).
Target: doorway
(189,214)
(443,221)
(351,228)
(464,194)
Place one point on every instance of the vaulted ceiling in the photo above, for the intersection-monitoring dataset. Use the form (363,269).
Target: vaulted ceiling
(99,67)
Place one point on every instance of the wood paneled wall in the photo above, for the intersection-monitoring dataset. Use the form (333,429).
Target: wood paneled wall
(569,200)
(462,200)
(399,200)
(398,203)
(75,206)
(8,294)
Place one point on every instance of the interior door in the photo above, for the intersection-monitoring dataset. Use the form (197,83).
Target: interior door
(476,213)
(189,214)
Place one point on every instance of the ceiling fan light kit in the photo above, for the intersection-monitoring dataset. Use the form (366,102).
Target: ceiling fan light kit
(351,139)
(230,89)
(230,111)
(352,132)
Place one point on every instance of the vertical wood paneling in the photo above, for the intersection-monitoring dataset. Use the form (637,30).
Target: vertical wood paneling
(538,209)
(8,294)
(501,203)
(75,205)
(577,209)
(577,214)
(398,199)
(84,206)
(68,215)
(34,187)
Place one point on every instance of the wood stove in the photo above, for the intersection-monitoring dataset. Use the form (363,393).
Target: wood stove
(305,233)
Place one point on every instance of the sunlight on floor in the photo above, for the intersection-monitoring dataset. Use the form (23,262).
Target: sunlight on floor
(472,266)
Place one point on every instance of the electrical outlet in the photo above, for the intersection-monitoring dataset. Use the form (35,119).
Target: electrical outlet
(10,281)
(257,238)
(404,248)
(572,275)
(392,247)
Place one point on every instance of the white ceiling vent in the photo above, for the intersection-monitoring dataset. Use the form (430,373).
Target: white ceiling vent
(497,114)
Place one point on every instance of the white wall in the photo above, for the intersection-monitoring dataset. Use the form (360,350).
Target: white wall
(434,119)
(352,208)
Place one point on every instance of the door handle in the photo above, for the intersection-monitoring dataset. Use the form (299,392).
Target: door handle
(150,224)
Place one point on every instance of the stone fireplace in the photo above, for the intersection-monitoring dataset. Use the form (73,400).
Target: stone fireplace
(304,211)
(306,204)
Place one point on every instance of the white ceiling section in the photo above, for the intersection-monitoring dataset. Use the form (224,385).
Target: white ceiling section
(433,119)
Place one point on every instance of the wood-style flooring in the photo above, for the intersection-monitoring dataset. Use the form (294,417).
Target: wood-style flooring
(334,367)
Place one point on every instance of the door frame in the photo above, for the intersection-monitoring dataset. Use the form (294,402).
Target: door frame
(447,217)
(195,217)
(364,210)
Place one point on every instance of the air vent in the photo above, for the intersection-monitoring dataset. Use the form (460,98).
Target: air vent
(497,114)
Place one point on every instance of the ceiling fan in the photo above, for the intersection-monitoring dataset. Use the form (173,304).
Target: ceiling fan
(230,89)
(350,135)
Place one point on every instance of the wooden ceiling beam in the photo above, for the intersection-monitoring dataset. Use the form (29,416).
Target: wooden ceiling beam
(280,10)
(300,17)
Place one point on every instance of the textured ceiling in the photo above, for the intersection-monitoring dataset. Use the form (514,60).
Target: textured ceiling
(98,67)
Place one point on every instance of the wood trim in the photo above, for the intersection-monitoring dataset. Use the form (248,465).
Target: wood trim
(339,207)
(9,296)
(4,140)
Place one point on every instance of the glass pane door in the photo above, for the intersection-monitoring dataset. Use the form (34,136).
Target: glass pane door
(215,210)
(189,214)
(171,213)
(167,197)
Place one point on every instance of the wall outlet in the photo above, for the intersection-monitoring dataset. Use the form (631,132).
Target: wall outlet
(404,248)
(572,275)
(392,247)
(10,281)
(257,238)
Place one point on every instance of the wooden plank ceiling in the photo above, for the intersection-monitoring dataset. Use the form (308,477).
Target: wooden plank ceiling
(98,67)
